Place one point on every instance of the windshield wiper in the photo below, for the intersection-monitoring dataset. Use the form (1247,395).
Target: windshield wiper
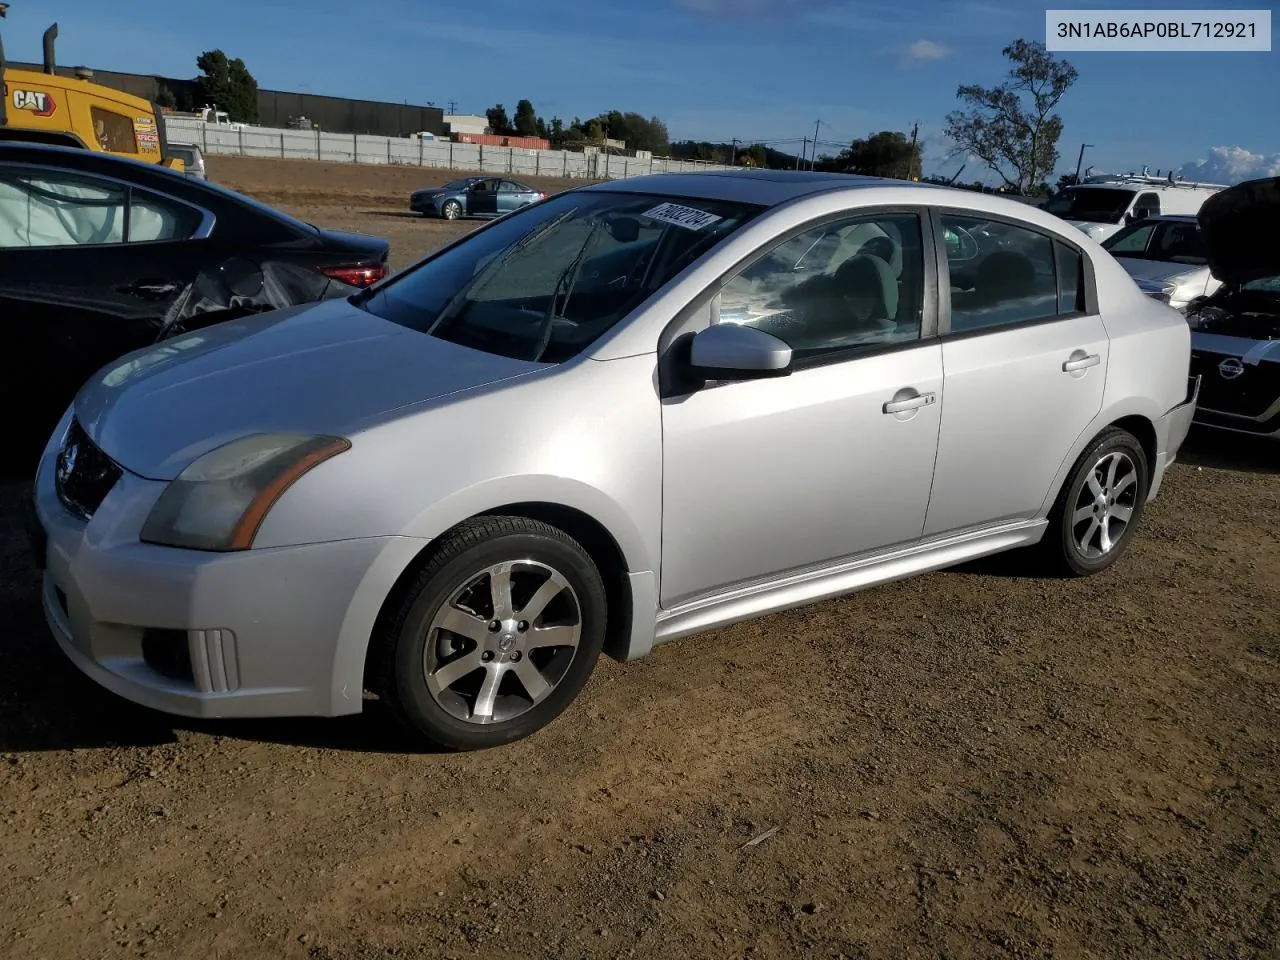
(456,302)
(568,277)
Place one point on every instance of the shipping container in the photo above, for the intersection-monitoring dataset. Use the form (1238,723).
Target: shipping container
(497,140)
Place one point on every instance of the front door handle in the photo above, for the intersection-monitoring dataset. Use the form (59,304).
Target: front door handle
(150,289)
(910,403)
(1081,363)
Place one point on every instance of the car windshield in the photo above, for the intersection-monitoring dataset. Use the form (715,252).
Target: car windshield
(1263,285)
(1168,241)
(543,283)
(1091,204)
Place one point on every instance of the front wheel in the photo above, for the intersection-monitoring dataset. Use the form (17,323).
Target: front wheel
(1098,509)
(496,637)
(452,210)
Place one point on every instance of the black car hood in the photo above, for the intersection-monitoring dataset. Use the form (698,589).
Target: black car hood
(1239,229)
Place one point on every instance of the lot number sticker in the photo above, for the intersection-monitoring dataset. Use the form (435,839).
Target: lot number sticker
(679,216)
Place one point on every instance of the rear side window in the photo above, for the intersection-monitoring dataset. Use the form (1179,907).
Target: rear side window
(114,131)
(39,209)
(1003,276)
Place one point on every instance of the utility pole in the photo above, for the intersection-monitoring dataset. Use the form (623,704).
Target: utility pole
(1080,159)
(804,152)
(453,108)
(733,151)
(911,156)
(814,159)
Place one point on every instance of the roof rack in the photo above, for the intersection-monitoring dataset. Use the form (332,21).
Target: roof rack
(1168,180)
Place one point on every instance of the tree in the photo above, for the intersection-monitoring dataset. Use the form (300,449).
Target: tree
(526,119)
(888,153)
(498,121)
(1012,127)
(165,97)
(753,156)
(229,85)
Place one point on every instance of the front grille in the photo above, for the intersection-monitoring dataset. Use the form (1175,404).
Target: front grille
(1247,389)
(83,475)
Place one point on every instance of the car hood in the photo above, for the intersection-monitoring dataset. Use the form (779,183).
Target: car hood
(1239,229)
(328,368)
(1141,269)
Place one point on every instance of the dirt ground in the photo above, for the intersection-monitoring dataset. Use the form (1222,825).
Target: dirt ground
(975,763)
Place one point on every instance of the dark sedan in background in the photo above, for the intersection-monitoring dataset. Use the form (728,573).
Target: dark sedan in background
(486,197)
(1235,331)
(100,256)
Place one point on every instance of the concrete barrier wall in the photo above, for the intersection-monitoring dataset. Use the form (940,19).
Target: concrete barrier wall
(355,148)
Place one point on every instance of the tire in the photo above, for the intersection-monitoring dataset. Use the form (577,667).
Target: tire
(443,669)
(452,210)
(1095,500)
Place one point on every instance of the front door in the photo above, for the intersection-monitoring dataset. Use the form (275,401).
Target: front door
(832,461)
(482,198)
(76,290)
(1026,364)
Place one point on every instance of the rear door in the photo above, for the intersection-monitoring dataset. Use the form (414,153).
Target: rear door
(90,268)
(1025,354)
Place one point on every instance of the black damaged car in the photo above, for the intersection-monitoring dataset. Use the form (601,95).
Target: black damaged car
(1235,332)
(101,255)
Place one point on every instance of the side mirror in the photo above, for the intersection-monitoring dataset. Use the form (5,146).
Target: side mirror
(729,351)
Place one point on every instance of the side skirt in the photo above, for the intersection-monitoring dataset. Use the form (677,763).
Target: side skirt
(847,576)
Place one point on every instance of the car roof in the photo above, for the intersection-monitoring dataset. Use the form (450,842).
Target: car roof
(766,187)
(80,158)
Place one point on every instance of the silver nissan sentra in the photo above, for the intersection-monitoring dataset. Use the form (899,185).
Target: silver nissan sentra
(631,412)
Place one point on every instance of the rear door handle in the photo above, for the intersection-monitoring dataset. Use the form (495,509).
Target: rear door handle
(1081,363)
(910,403)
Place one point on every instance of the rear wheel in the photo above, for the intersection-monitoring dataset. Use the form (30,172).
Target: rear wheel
(452,210)
(497,635)
(1099,506)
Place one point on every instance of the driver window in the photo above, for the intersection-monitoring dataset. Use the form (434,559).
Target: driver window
(849,283)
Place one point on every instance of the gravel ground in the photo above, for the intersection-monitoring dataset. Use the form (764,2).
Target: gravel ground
(974,763)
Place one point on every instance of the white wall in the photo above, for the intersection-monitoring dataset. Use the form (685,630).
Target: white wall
(357,148)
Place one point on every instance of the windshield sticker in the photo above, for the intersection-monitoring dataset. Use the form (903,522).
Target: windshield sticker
(676,215)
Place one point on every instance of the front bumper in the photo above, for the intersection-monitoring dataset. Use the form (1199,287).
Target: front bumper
(273,632)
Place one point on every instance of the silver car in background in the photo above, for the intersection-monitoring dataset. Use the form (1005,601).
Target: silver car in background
(635,411)
(192,158)
(1167,256)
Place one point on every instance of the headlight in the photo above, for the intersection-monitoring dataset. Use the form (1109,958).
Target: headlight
(219,502)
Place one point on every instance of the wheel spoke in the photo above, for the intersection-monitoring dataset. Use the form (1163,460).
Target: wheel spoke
(549,590)
(542,637)
(500,592)
(535,685)
(1124,483)
(1082,514)
(1087,537)
(1111,472)
(455,670)
(1121,513)
(1094,486)
(1104,535)
(488,695)
(464,624)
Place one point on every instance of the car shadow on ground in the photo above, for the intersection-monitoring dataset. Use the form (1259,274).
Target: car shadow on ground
(47,704)
(1230,451)
(397,214)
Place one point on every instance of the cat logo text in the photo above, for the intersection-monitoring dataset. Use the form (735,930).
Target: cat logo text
(38,102)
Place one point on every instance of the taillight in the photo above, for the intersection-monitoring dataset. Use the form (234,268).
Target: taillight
(365,276)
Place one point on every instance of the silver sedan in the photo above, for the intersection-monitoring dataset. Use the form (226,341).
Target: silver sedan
(635,411)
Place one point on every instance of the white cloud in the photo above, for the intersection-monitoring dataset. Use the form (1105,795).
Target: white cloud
(1231,165)
(923,50)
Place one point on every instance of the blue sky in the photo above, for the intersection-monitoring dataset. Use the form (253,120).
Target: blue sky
(712,69)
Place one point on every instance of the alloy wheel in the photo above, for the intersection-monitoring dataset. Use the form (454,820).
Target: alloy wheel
(502,641)
(1105,505)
